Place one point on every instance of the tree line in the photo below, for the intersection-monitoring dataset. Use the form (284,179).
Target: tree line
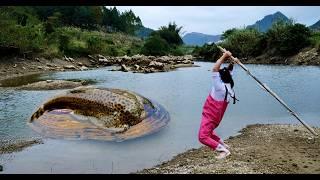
(282,39)
(86,17)
(53,31)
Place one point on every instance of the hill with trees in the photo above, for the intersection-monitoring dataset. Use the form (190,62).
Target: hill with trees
(71,30)
(266,23)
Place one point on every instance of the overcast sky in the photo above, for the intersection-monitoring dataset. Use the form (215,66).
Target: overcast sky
(216,19)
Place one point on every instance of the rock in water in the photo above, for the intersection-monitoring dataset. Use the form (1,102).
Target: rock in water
(124,68)
(99,113)
(51,85)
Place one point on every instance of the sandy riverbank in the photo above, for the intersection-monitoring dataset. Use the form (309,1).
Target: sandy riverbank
(259,149)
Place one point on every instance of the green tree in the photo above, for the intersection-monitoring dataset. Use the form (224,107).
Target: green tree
(227,33)
(288,38)
(244,42)
(155,46)
(170,33)
(207,51)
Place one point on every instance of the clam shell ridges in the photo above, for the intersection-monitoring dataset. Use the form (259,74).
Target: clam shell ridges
(152,116)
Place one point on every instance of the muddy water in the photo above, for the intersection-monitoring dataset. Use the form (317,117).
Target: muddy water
(181,92)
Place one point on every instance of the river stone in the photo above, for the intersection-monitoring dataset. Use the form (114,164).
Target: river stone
(124,68)
(51,85)
(69,67)
(99,113)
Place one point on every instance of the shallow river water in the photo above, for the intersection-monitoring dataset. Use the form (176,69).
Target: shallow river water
(181,92)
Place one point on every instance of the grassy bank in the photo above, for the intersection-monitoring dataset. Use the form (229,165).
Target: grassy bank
(33,42)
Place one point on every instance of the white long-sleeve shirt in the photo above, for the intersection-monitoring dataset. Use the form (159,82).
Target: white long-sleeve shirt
(218,90)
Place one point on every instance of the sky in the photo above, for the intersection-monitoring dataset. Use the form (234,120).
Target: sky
(216,19)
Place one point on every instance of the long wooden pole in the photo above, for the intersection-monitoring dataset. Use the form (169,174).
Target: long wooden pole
(272,93)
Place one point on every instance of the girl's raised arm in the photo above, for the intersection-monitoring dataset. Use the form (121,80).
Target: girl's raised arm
(218,63)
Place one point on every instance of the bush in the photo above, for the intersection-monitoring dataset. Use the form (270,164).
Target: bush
(207,51)
(155,46)
(176,51)
(187,49)
(315,40)
(112,51)
(244,42)
(287,38)
(64,41)
(94,44)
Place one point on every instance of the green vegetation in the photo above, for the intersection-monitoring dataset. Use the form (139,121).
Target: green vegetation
(244,42)
(166,40)
(207,51)
(55,31)
(282,39)
(315,40)
(288,38)
(143,32)
(155,46)
(187,49)
(74,31)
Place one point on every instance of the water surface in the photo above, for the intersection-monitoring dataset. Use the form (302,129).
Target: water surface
(181,92)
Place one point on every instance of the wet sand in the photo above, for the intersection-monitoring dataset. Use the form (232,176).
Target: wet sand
(259,149)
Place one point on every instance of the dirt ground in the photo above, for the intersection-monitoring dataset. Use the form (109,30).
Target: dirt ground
(14,67)
(259,149)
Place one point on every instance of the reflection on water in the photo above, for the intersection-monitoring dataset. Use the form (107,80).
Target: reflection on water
(182,93)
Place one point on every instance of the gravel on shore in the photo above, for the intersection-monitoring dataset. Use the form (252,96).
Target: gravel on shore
(259,149)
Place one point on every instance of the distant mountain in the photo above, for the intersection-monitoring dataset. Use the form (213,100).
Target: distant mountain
(315,26)
(199,39)
(264,24)
(143,32)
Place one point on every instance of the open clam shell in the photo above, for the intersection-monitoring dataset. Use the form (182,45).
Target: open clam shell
(100,114)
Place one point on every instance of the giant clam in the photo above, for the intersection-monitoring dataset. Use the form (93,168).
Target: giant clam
(99,113)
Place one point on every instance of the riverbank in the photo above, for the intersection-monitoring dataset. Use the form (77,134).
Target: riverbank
(259,149)
(17,66)
(306,57)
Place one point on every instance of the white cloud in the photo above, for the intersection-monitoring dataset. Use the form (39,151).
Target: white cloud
(216,19)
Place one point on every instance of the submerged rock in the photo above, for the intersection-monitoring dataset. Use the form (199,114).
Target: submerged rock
(99,113)
(51,85)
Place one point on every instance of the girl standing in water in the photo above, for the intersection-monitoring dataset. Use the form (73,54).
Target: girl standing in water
(215,106)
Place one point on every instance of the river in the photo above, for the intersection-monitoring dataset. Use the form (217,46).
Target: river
(181,92)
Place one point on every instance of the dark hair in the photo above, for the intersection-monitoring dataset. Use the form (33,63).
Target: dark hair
(226,76)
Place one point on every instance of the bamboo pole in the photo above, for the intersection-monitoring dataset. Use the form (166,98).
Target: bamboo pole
(272,93)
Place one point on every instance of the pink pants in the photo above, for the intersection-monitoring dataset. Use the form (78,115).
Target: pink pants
(212,114)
